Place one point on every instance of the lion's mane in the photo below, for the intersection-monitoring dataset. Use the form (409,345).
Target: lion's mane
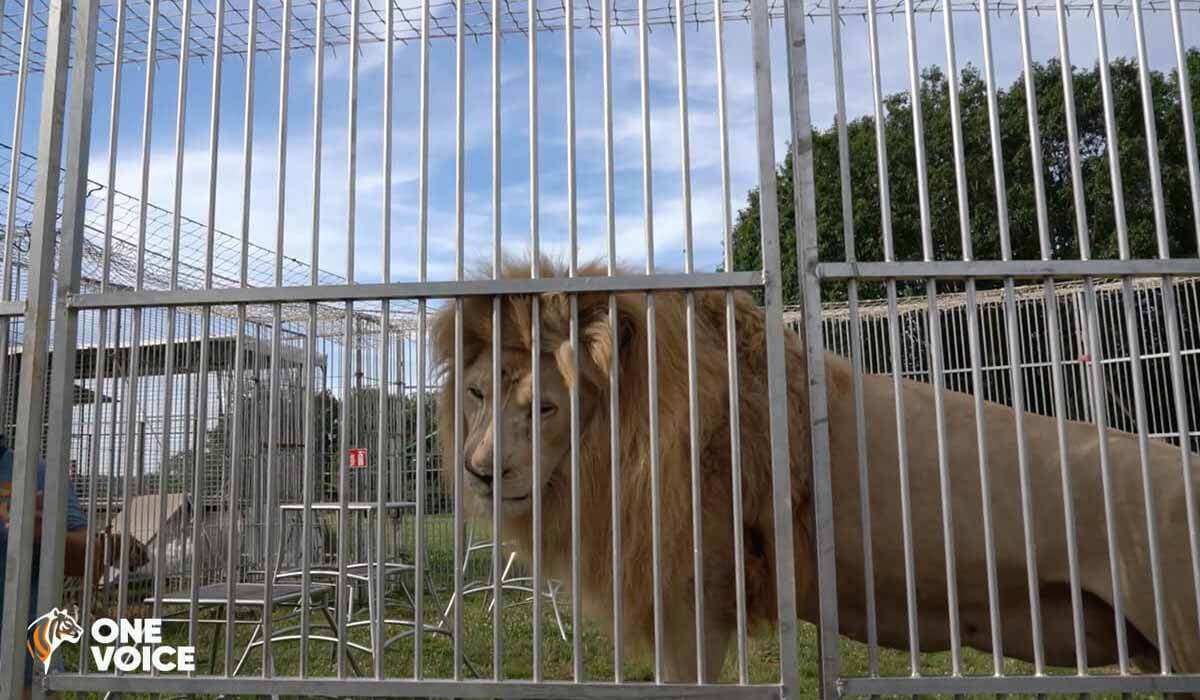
(596,350)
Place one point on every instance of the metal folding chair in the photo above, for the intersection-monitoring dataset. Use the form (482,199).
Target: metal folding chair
(522,584)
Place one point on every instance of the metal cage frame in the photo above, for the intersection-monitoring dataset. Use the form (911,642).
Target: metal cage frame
(281,300)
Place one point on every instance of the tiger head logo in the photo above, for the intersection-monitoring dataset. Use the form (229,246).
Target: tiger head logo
(47,633)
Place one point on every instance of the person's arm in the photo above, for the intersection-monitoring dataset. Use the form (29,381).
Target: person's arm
(75,553)
(76,547)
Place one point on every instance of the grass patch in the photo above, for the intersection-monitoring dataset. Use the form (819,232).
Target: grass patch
(517,643)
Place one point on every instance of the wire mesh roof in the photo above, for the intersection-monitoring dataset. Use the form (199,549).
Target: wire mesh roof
(227,252)
(477,20)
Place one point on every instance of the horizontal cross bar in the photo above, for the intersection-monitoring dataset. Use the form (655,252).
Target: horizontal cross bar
(12,308)
(960,269)
(417,290)
(919,685)
(355,687)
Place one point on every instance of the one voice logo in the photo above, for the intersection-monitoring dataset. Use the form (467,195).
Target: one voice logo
(126,645)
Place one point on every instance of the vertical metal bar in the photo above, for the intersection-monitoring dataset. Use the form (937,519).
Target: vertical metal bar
(1173,343)
(421,473)
(138,316)
(1014,357)
(422,468)
(935,339)
(690,321)
(459,397)
(1149,331)
(114,430)
(894,342)
(238,444)
(36,345)
(350,341)
(6,281)
(735,430)
(573,332)
(102,335)
(93,461)
(311,417)
(383,458)
(160,563)
(536,333)
(1189,123)
(879,346)
(806,250)
(10,225)
(1050,306)
(856,349)
(345,440)
(497,360)
(651,337)
(1132,333)
(214,133)
(274,405)
(199,498)
(614,323)
(973,340)
(62,376)
(1026,328)
(1189,139)
(309,436)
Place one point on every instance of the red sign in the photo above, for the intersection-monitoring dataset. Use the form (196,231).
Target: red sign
(358,457)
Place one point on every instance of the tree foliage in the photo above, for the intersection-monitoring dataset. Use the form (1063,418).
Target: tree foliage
(984,220)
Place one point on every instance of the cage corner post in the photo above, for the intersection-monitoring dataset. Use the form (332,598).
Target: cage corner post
(35,345)
(66,317)
(807,257)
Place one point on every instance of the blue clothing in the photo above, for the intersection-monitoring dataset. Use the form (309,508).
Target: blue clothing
(75,520)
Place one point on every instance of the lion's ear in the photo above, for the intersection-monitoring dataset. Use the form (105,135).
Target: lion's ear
(596,339)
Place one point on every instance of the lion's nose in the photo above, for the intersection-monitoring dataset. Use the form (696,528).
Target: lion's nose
(485,477)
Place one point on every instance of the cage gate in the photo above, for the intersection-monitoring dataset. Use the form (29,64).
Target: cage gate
(1049,539)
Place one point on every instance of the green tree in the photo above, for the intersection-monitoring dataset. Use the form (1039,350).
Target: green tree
(984,225)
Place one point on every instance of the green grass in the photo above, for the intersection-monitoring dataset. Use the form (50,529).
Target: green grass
(517,650)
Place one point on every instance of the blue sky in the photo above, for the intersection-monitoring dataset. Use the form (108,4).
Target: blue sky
(552,139)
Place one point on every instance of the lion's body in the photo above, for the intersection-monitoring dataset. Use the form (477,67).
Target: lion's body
(1049,529)
(675,525)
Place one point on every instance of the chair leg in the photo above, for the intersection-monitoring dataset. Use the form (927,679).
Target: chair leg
(434,593)
(557,616)
(336,634)
(446,613)
(512,557)
(249,646)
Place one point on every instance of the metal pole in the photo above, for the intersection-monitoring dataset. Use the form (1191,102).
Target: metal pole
(497,361)
(806,251)
(31,392)
(735,437)
(855,345)
(62,389)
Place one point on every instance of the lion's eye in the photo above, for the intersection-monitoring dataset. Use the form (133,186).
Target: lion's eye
(475,393)
(548,409)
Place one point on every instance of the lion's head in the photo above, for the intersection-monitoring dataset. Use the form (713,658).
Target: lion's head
(558,370)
